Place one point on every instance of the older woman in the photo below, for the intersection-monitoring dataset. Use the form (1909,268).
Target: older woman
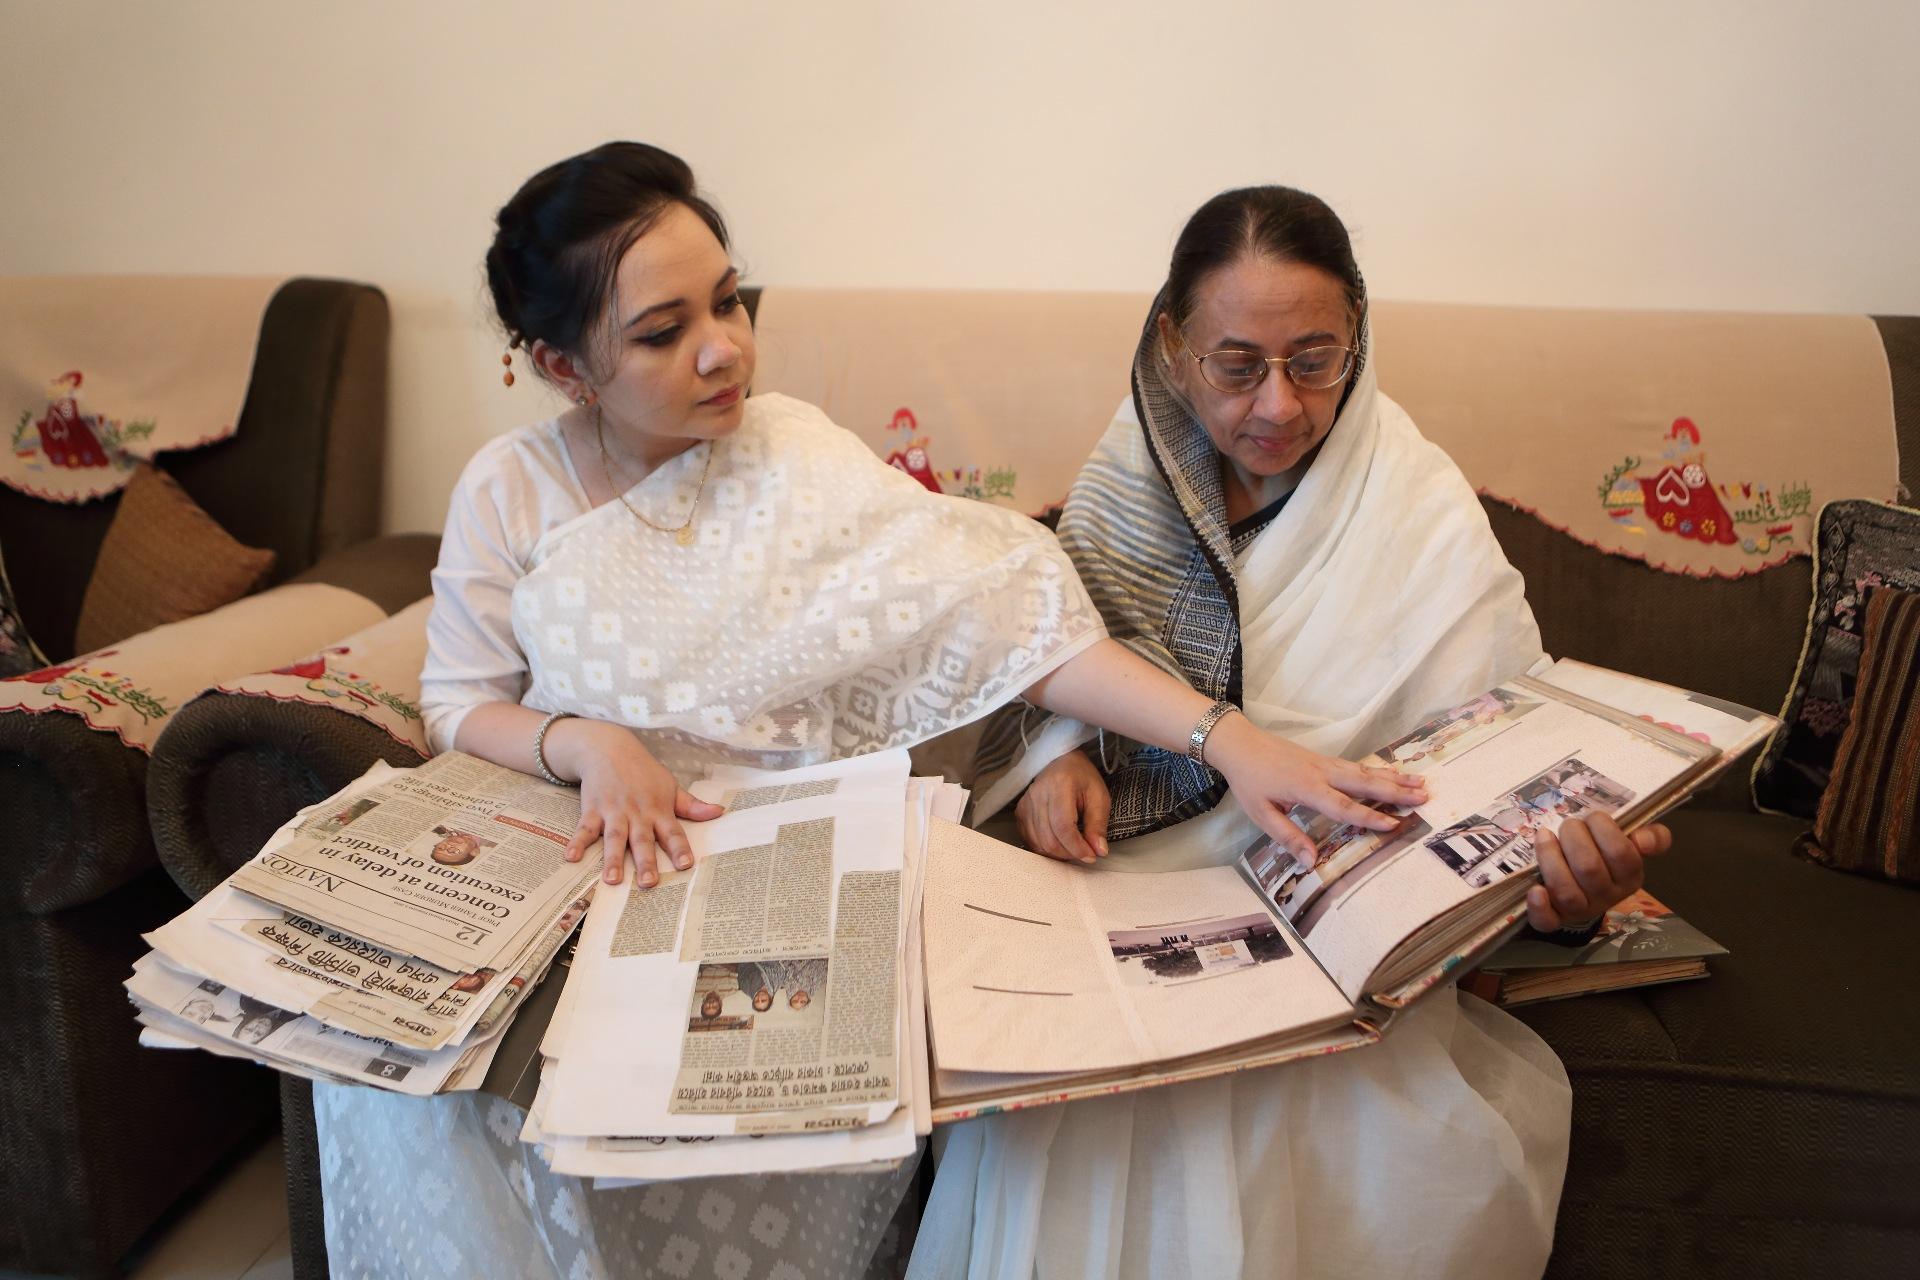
(1261,520)
(670,575)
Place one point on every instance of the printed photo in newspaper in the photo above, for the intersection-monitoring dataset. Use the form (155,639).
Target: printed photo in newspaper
(451,862)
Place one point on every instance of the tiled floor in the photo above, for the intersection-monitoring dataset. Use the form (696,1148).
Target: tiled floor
(238,1231)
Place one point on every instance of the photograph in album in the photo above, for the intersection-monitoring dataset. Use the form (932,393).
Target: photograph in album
(1345,858)
(1454,733)
(1175,951)
(1482,848)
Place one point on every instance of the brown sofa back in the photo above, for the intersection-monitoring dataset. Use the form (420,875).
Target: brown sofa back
(979,393)
(301,475)
(1737,638)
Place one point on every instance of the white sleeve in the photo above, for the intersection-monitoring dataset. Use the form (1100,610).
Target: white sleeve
(472,656)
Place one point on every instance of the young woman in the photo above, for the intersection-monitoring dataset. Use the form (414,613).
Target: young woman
(671,575)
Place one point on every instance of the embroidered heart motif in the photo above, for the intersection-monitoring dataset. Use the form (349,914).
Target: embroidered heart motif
(1672,488)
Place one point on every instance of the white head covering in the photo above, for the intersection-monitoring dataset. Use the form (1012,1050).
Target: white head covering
(1376,597)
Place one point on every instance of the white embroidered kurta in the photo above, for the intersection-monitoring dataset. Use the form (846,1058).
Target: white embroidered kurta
(828,605)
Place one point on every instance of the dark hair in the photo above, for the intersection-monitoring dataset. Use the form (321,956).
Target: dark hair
(1281,223)
(560,239)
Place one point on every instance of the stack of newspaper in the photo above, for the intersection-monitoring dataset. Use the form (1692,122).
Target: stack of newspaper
(384,936)
(764,1011)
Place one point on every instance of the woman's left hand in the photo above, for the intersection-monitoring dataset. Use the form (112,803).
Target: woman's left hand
(1588,867)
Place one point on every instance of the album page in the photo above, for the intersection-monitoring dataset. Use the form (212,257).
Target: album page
(1041,966)
(1500,769)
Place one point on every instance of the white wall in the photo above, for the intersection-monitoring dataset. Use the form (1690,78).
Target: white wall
(1631,153)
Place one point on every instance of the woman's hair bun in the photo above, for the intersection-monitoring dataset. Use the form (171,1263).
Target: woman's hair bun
(559,240)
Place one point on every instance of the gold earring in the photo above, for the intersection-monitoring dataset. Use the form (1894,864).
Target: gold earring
(506,358)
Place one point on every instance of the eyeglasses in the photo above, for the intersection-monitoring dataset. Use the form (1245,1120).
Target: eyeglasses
(1235,372)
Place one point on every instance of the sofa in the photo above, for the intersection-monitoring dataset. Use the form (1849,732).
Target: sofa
(99,1137)
(1764,1122)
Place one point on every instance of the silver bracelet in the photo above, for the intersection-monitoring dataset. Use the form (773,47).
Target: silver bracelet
(539,749)
(1197,740)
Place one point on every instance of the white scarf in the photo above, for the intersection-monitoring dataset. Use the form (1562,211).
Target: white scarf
(1378,596)
(827,606)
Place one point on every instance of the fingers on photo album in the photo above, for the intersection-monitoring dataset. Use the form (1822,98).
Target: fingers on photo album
(844,965)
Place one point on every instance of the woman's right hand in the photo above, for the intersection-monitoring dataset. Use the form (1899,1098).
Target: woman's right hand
(1064,813)
(1268,775)
(628,800)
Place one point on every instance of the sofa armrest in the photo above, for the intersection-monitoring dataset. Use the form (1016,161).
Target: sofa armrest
(238,761)
(232,768)
(75,739)
(73,824)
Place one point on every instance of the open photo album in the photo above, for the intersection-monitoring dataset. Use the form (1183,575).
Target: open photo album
(1047,983)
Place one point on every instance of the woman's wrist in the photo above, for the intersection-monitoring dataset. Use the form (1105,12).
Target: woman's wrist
(541,764)
(1231,734)
(574,741)
(1202,731)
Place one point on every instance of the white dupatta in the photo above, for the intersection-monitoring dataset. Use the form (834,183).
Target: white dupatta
(1378,596)
(826,606)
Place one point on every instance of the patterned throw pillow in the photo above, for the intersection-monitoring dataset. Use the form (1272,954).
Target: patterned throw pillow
(163,560)
(18,652)
(1869,818)
(1858,546)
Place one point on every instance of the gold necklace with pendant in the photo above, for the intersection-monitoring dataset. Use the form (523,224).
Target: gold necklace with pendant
(683,533)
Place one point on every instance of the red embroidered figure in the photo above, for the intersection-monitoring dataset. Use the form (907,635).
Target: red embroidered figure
(913,461)
(1676,497)
(45,675)
(911,456)
(312,668)
(1681,500)
(66,437)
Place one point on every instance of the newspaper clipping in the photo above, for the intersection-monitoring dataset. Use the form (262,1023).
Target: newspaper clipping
(381,992)
(457,862)
(780,1021)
